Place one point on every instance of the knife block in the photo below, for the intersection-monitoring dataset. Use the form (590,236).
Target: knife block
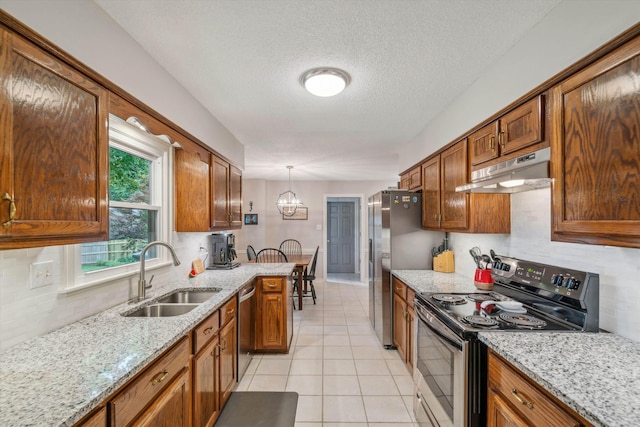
(444,262)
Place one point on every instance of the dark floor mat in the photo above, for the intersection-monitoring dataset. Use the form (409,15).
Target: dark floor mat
(259,409)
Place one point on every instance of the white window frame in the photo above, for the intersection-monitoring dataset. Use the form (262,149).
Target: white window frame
(128,138)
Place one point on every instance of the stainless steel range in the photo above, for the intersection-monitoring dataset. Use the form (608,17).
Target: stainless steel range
(451,363)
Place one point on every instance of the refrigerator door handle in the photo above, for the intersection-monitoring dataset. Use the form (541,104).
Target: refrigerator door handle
(370,250)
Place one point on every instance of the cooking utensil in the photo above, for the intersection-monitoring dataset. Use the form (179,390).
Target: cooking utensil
(476,258)
(486,260)
(493,254)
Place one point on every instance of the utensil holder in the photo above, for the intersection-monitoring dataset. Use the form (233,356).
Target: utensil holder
(483,279)
(444,262)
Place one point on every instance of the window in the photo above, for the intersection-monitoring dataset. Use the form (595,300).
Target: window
(139,191)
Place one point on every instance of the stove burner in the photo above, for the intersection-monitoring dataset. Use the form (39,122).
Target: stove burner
(479,297)
(476,320)
(449,299)
(523,320)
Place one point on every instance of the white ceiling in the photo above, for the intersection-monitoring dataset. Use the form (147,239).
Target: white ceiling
(408,59)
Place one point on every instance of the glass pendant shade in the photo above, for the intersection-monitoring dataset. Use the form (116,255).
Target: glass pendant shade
(288,202)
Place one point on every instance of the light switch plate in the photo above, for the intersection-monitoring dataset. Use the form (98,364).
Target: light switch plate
(41,274)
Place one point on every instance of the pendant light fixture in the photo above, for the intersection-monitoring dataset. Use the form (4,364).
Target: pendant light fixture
(288,202)
(325,81)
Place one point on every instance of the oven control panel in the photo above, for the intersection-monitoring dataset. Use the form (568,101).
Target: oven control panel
(542,278)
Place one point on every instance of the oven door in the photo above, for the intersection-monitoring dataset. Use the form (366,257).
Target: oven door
(440,373)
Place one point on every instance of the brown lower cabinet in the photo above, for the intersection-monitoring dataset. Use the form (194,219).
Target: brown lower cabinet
(162,388)
(403,321)
(514,400)
(274,316)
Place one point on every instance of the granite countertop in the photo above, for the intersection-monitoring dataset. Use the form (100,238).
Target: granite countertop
(57,378)
(595,374)
(433,281)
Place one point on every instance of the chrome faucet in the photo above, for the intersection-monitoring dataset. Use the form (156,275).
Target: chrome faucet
(142,283)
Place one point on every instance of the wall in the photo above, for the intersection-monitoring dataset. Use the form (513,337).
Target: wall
(571,30)
(86,32)
(272,229)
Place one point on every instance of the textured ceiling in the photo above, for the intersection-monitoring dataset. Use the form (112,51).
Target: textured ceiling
(408,59)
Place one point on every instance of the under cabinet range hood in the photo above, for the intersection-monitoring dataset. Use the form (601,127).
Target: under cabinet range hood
(524,173)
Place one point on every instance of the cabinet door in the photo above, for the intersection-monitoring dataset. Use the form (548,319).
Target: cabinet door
(483,144)
(595,152)
(219,192)
(521,127)
(400,325)
(206,407)
(235,197)
(99,419)
(228,362)
(500,414)
(431,193)
(53,150)
(271,321)
(172,408)
(192,183)
(410,338)
(415,178)
(455,206)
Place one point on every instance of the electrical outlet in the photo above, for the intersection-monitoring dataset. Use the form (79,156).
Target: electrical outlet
(41,274)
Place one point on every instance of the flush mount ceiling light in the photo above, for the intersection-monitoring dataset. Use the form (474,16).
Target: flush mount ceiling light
(288,202)
(325,81)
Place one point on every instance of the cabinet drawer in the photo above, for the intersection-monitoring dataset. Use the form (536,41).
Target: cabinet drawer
(531,402)
(228,311)
(272,284)
(205,331)
(400,288)
(144,389)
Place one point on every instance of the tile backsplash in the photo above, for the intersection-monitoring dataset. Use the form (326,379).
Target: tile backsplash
(26,312)
(530,239)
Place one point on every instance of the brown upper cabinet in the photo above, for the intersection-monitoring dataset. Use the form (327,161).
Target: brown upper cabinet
(595,152)
(520,128)
(412,179)
(53,150)
(192,189)
(226,194)
(208,192)
(446,210)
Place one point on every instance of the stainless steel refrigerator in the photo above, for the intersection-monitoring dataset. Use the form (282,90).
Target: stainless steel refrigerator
(396,242)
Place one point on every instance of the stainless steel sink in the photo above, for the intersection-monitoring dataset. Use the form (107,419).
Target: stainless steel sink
(162,310)
(188,297)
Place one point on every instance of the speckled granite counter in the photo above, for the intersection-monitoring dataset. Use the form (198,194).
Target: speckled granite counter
(433,281)
(597,375)
(56,379)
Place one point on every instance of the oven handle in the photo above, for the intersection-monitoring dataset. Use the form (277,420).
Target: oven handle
(440,329)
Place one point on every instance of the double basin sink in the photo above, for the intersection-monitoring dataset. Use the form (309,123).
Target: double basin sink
(174,304)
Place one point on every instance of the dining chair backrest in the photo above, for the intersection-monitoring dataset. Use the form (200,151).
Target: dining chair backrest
(311,275)
(271,255)
(251,253)
(291,247)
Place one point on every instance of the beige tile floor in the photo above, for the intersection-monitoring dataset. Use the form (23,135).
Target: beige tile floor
(343,375)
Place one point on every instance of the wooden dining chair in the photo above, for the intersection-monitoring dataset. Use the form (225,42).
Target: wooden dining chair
(271,255)
(251,253)
(308,276)
(291,247)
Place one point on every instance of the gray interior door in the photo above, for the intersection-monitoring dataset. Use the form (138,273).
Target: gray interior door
(341,237)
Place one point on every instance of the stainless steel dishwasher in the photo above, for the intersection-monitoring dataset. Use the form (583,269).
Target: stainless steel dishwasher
(246,327)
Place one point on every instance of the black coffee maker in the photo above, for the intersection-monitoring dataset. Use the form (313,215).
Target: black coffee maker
(222,251)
